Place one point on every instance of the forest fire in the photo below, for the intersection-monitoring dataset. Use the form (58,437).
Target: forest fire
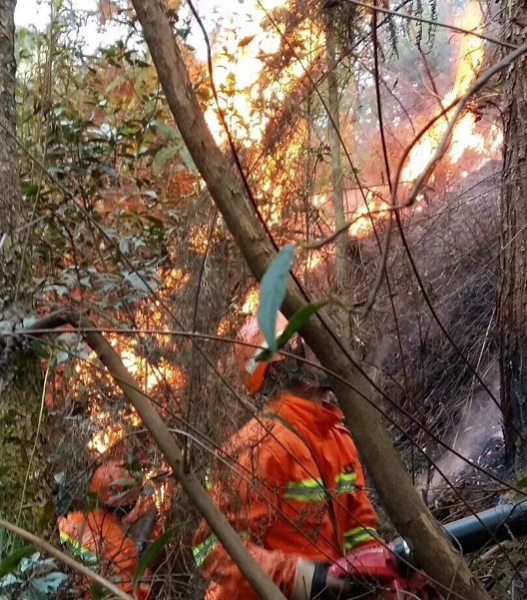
(238,69)
(464,136)
(132,235)
(250,96)
(112,428)
(247,101)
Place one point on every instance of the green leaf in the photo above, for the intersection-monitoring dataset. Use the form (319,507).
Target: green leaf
(10,564)
(63,357)
(117,82)
(164,155)
(125,481)
(45,587)
(167,130)
(187,159)
(97,592)
(153,550)
(110,171)
(136,281)
(272,294)
(28,189)
(300,318)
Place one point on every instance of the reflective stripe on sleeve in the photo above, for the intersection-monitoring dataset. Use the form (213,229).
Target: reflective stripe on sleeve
(346,483)
(357,536)
(308,490)
(202,552)
(87,556)
(205,549)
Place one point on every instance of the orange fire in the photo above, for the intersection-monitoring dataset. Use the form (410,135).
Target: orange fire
(248,96)
(373,205)
(238,68)
(149,377)
(464,135)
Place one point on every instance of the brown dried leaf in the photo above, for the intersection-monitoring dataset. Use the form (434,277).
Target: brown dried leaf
(246,40)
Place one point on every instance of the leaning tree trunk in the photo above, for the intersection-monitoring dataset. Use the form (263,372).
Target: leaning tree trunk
(23,493)
(513,256)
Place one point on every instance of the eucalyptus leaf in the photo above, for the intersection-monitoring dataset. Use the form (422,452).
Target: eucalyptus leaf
(167,130)
(272,294)
(136,281)
(9,581)
(42,588)
(62,357)
(125,481)
(187,159)
(110,171)
(298,320)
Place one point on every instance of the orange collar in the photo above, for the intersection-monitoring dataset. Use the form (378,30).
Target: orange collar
(299,411)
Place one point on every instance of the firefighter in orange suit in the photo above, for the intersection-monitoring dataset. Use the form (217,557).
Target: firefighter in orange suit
(293,486)
(103,537)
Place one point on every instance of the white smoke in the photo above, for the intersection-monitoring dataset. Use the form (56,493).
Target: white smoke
(480,423)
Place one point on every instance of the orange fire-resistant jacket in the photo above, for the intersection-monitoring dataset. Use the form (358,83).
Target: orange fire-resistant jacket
(99,538)
(294,488)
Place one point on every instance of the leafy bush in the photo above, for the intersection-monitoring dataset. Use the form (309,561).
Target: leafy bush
(30,578)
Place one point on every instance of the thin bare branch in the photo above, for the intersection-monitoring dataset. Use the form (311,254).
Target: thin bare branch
(65,559)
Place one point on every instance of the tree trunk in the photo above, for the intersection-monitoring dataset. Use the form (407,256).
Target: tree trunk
(513,257)
(403,504)
(23,492)
(337,176)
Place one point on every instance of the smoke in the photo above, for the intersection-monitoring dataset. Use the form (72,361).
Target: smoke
(480,423)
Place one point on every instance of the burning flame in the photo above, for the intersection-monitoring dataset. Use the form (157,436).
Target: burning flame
(238,68)
(110,431)
(470,59)
(363,224)
(464,135)
(248,96)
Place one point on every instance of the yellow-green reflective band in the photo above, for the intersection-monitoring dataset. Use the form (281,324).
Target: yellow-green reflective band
(357,536)
(308,490)
(202,551)
(346,483)
(87,556)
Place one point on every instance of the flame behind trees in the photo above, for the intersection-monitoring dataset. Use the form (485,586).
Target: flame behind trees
(464,136)
(264,96)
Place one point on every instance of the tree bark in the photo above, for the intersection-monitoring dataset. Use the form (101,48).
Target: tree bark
(513,256)
(20,396)
(403,505)
(337,176)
